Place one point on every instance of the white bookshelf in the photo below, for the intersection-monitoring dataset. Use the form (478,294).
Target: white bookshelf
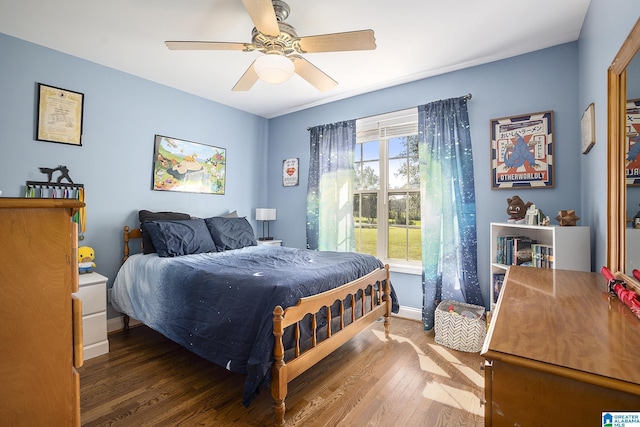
(571,246)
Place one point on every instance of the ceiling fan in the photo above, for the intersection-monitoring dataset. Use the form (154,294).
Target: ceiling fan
(282,47)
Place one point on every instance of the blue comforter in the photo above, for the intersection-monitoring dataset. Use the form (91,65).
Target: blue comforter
(220,305)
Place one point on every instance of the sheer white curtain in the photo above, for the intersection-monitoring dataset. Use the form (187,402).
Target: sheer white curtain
(448,209)
(330,225)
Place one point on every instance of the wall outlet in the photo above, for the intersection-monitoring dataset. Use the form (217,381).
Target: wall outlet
(109,295)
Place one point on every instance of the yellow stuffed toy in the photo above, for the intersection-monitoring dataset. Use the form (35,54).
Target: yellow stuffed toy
(86,255)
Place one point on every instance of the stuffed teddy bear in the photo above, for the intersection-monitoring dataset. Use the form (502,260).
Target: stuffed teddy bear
(517,209)
(86,255)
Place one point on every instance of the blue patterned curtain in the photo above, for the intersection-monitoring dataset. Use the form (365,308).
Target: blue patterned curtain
(449,242)
(330,225)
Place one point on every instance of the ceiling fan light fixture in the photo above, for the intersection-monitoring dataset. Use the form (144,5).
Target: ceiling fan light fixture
(274,68)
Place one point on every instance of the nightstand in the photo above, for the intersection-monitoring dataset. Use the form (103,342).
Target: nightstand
(270,242)
(93,293)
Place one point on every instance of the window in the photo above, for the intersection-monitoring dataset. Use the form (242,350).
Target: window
(387,187)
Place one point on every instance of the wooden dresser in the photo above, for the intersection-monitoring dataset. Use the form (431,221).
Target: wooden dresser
(560,351)
(40,325)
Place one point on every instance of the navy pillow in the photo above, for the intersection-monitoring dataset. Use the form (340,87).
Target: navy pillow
(180,237)
(230,233)
(144,215)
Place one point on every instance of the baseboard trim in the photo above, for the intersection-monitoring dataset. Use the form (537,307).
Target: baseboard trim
(410,313)
(116,324)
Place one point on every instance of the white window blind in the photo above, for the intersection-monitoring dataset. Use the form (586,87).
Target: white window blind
(388,125)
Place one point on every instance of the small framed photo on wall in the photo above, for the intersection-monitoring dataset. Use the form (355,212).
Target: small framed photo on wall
(290,172)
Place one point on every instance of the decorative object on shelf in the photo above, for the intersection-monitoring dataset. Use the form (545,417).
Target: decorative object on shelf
(633,142)
(587,124)
(51,188)
(86,256)
(534,216)
(567,217)
(186,166)
(517,209)
(64,173)
(290,172)
(522,151)
(636,220)
(59,115)
(265,215)
(57,189)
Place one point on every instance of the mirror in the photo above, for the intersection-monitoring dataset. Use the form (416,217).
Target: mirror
(616,157)
(632,140)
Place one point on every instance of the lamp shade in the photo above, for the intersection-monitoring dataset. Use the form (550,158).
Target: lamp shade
(274,68)
(264,214)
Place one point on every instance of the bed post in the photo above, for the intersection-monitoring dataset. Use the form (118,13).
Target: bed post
(126,243)
(279,369)
(387,297)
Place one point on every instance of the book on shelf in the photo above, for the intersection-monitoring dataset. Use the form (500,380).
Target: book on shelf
(522,252)
(514,250)
(542,255)
(498,280)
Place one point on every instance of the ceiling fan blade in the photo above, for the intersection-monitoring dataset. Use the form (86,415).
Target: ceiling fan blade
(188,45)
(313,74)
(336,42)
(248,79)
(263,16)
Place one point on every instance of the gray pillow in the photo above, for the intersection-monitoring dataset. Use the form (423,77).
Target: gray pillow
(230,233)
(180,237)
(144,215)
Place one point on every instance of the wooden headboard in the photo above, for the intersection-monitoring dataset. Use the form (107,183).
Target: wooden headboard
(130,233)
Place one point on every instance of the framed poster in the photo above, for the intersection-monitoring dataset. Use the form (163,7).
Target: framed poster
(290,172)
(186,166)
(522,151)
(59,115)
(632,140)
(588,127)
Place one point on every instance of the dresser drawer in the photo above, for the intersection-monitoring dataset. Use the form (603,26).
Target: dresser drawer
(94,298)
(94,328)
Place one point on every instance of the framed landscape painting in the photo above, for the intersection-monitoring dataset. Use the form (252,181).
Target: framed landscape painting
(522,151)
(186,166)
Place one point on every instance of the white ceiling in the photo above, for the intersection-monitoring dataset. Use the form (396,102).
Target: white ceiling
(415,39)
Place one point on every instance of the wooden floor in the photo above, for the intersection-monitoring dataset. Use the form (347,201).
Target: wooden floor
(147,380)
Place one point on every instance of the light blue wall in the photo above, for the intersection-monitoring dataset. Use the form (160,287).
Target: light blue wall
(605,28)
(122,113)
(540,81)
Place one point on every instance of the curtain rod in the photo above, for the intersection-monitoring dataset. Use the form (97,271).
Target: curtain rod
(467,97)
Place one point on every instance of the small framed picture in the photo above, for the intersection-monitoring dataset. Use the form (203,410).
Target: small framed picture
(290,172)
(587,124)
(59,115)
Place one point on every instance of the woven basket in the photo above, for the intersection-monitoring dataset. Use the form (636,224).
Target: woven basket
(460,332)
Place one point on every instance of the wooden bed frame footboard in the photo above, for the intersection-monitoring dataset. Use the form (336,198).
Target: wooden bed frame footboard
(379,304)
(374,301)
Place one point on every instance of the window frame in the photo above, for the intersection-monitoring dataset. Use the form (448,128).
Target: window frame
(382,128)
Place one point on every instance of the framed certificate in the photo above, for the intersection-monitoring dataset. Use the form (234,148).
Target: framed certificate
(59,115)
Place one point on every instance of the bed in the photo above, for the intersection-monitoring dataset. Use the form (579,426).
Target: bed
(265,311)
